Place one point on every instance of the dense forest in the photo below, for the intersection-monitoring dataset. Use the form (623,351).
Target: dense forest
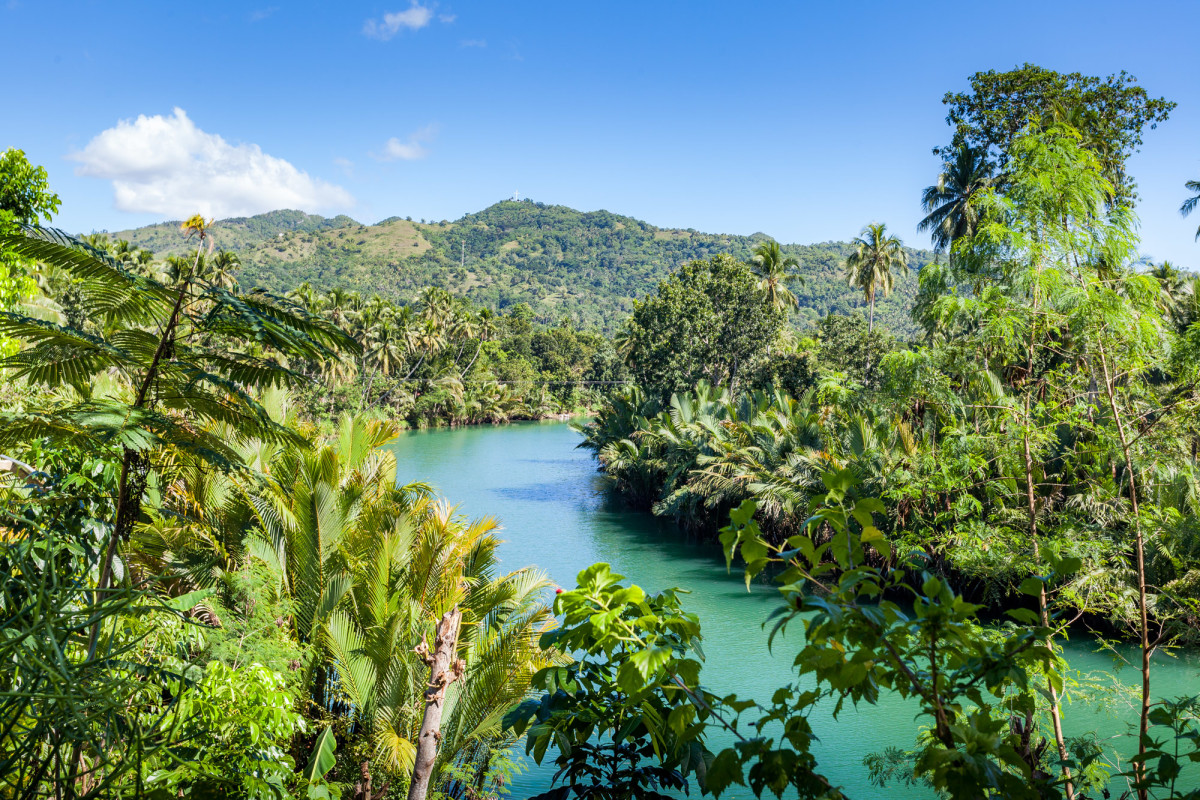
(213,585)
(565,264)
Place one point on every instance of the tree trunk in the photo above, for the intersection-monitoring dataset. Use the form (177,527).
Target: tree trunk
(467,371)
(444,669)
(870,328)
(362,788)
(1110,389)
(367,389)
(1043,601)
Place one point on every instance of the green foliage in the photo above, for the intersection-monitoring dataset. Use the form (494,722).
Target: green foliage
(951,213)
(443,360)
(587,266)
(369,568)
(253,627)
(238,234)
(861,641)
(58,698)
(25,196)
(1189,205)
(1111,113)
(708,322)
(627,715)
(25,199)
(232,728)
(320,761)
(1170,754)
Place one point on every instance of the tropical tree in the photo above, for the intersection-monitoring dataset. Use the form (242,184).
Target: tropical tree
(371,567)
(1190,204)
(25,199)
(869,268)
(165,372)
(950,213)
(225,265)
(1174,286)
(774,271)
(187,352)
(1112,113)
(708,320)
(307,298)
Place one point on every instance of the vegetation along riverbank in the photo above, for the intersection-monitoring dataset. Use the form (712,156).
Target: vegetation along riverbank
(218,580)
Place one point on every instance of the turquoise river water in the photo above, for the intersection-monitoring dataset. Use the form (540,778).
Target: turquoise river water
(557,516)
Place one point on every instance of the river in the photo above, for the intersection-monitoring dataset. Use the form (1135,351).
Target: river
(557,516)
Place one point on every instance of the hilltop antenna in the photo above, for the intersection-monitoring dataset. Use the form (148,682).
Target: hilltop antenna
(516,196)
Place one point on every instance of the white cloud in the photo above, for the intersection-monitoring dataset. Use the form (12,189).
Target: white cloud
(473,43)
(408,149)
(346,166)
(447,18)
(166,165)
(413,18)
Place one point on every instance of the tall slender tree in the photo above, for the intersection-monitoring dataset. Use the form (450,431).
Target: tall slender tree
(869,268)
(1190,204)
(775,271)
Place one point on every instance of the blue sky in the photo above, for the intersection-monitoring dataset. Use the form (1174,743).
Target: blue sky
(802,120)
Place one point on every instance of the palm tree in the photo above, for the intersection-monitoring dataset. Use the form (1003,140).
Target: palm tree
(429,337)
(186,351)
(1188,311)
(224,265)
(436,304)
(1190,204)
(1174,287)
(370,567)
(488,327)
(870,266)
(385,346)
(307,298)
(337,304)
(774,271)
(950,213)
(372,310)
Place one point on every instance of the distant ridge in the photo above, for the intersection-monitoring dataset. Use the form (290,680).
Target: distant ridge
(587,266)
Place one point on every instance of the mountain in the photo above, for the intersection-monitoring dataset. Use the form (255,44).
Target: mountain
(589,266)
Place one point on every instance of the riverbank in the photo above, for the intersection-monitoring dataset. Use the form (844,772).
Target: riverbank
(558,514)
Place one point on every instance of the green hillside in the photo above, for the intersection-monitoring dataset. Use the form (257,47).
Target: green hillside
(588,266)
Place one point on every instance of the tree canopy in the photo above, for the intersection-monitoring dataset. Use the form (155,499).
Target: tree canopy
(1112,113)
(709,321)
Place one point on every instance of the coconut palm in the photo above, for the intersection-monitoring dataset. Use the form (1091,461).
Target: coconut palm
(487,325)
(869,268)
(372,311)
(429,337)
(385,346)
(774,271)
(1190,204)
(950,213)
(1174,286)
(1187,308)
(223,268)
(436,304)
(307,298)
(338,306)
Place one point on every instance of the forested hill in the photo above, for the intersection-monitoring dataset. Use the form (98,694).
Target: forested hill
(589,266)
